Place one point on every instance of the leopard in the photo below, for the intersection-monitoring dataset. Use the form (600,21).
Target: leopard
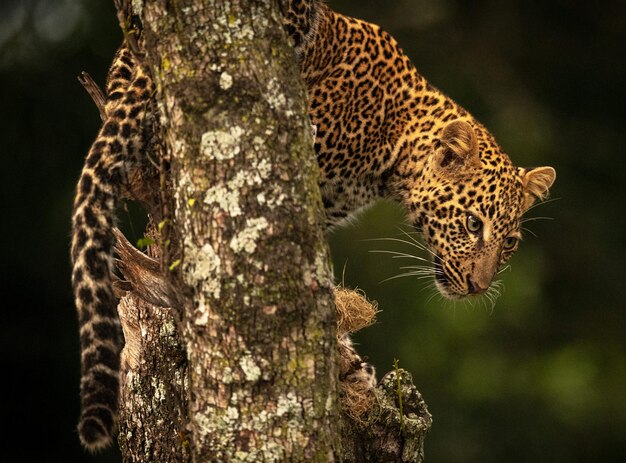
(381,131)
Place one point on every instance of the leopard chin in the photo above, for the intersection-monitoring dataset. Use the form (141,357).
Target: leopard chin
(446,287)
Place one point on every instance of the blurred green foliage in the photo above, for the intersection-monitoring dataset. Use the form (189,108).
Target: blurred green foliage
(539,377)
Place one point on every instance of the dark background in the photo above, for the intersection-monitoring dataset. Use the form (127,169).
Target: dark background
(539,377)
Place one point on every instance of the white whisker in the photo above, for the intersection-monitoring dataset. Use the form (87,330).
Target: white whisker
(416,243)
(551,200)
(502,270)
(408,274)
(398,255)
(410,243)
(528,230)
(532,219)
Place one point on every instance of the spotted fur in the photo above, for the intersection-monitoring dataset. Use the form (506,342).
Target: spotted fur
(382,131)
(354,370)
(108,162)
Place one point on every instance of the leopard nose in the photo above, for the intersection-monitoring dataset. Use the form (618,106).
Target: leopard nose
(476,287)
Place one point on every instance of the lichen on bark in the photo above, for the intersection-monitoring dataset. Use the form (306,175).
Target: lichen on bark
(258,326)
(154,385)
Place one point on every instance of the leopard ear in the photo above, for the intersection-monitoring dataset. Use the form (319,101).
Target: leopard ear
(536,182)
(459,147)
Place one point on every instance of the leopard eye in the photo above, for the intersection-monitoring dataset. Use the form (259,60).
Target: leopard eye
(473,224)
(510,243)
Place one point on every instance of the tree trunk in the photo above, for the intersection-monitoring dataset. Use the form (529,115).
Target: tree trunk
(258,319)
(232,355)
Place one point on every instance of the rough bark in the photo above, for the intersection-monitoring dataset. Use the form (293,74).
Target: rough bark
(394,429)
(230,328)
(154,388)
(258,321)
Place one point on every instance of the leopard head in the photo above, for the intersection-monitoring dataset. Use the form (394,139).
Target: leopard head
(469,207)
